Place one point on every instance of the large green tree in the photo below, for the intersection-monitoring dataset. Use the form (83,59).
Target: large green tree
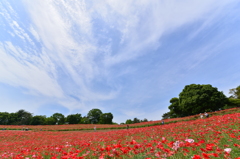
(136,120)
(85,120)
(12,119)
(38,120)
(129,121)
(74,118)
(50,121)
(24,117)
(106,118)
(196,98)
(59,118)
(4,118)
(94,116)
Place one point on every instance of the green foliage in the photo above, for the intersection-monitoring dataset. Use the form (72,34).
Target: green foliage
(59,118)
(144,120)
(232,102)
(106,118)
(85,120)
(94,116)
(12,119)
(136,120)
(4,118)
(23,117)
(50,121)
(129,121)
(166,115)
(38,120)
(235,92)
(175,110)
(196,98)
(235,102)
(74,118)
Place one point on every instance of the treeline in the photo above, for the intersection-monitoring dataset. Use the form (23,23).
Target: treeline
(196,98)
(135,120)
(22,117)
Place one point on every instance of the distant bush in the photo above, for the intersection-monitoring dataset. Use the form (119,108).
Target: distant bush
(232,103)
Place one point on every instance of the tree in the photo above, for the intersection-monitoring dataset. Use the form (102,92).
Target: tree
(129,121)
(94,116)
(50,121)
(38,120)
(12,119)
(4,118)
(235,92)
(144,120)
(166,115)
(175,110)
(85,120)
(106,118)
(136,120)
(232,102)
(196,98)
(59,118)
(24,117)
(74,118)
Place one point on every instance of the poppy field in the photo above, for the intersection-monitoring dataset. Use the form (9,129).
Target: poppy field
(213,137)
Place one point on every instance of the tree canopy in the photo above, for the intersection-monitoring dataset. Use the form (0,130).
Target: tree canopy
(22,117)
(74,119)
(59,118)
(129,121)
(175,110)
(196,98)
(38,120)
(106,118)
(135,120)
(94,116)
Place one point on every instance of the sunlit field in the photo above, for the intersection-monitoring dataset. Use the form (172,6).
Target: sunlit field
(213,137)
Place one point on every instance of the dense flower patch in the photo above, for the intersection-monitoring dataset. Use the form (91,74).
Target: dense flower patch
(214,137)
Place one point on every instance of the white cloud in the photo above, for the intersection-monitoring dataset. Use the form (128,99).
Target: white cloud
(143,23)
(64,31)
(10,16)
(54,23)
(20,73)
(34,33)
(73,50)
(67,39)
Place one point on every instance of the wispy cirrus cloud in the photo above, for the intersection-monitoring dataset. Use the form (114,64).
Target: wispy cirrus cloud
(83,53)
(141,25)
(18,71)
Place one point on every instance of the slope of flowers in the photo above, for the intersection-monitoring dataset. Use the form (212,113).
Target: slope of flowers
(214,137)
(108,126)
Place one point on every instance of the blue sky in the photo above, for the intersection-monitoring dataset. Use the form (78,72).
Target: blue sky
(125,57)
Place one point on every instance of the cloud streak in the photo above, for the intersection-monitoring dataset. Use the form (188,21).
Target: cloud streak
(19,74)
(84,52)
